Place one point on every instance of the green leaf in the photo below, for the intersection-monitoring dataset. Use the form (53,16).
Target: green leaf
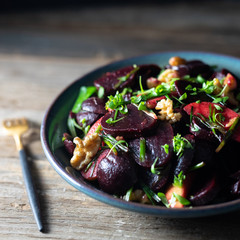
(142,149)
(184,96)
(117,102)
(178,180)
(101,92)
(125,78)
(84,94)
(166,148)
(163,198)
(112,121)
(155,170)
(179,144)
(181,199)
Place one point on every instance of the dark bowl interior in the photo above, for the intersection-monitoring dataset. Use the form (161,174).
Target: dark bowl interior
(55,124)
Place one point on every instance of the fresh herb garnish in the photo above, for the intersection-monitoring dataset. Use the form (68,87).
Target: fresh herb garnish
(142,150)
(101,92)
(166,148)
(84,94)
(126,77)
(178,180)
(197,166)
(112,120)
(179,144)
(163,198)
(181,199)
(113,143)
(72,125)
(229,133)
(152,196)
(155,170)
(117,102)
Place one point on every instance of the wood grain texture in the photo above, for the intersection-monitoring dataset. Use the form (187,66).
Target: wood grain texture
(40,54)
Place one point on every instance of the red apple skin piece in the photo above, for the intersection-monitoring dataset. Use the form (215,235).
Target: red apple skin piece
(182,191)
(94,127)
(231,81)
(152,103)
(203,108)
(91,173)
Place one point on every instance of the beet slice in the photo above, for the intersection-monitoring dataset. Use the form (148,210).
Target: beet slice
(68,143)
(89,117)
(116,173)
(156,181)
(111,80)
(181,86)
(95,105)
(134,124)
(146,71)
(193,68)
(154,146)
(91,173)
(185,161)
(200,131)
(197,67)
(207,192)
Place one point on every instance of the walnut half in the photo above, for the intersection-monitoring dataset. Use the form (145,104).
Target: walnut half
(85,150)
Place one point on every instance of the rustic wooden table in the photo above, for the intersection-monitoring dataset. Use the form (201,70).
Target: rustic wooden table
(41,52)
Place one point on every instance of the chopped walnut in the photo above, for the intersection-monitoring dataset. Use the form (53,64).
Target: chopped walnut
(166,111)
(167,75)
(176,61)
(85,150)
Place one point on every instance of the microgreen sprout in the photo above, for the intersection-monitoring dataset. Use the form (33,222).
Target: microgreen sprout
(142,150)
(179,144)
(179,179)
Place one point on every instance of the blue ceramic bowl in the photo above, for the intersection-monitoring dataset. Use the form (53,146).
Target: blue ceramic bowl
(55,124)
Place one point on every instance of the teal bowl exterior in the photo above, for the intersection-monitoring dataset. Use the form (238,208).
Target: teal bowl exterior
(54,125)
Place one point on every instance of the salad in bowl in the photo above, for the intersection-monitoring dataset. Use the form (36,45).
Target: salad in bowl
(164,135)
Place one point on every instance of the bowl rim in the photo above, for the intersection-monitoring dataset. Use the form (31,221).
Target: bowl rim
(199,211)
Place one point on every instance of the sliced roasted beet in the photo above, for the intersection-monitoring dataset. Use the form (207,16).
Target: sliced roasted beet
(229,157)
(91,173)
(204,151)
(154,146)
(193,68)
(197,67)
(156,181)
(146,71)
(116,173)
(182,70)
(181,87)
(68,143)
(207,192)
(95,105)
(111,81)
(235,188)
(185,160)
(134,124)
(200,131)
(89,117)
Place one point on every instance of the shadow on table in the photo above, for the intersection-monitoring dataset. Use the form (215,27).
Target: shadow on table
(224,226)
